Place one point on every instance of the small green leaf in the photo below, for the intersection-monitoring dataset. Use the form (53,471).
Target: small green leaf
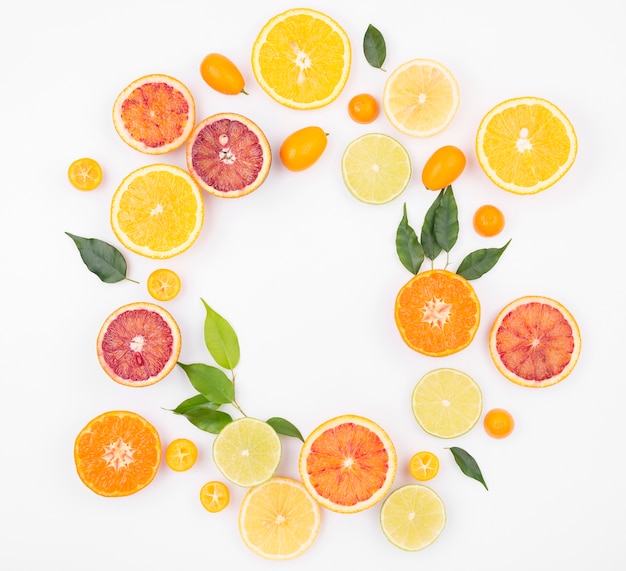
(429,242)
(468,465)
(210,382)
(284,427)
(374,47)
(409,249)
(221,339)
(480,262)
(446,222)
(102,259)
(197,400)
(207,419)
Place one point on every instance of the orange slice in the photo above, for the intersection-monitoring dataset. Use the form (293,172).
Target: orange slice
(85,174)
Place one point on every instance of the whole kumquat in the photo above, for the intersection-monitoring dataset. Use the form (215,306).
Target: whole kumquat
(498,423)
(363,108)
(488,220)
(443,167)
(222,74)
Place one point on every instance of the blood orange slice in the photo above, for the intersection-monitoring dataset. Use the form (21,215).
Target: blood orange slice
(139,344)
(535,341)
(155,114)
(228,155)
(348,464)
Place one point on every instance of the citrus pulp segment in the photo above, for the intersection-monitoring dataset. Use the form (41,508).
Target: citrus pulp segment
(412,517)
(163,284)
(535,341)
(301,58)
(279,519)
(157,211)
(214,496)
(139,344)
(154,114)
(348,463)
(525,145)
(228,155)
(421,97)
(85,174)
(247,451)
(376,168)
(437,313)
(447,403)
(117,453)
(181,454)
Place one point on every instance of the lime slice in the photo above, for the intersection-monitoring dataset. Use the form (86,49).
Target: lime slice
(412,517)
(247,451)
(447,403)
(376,168)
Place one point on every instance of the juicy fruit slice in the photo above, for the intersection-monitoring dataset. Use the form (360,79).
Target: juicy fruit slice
(447,403)
(525,145)
(228,155)
(279,519)
(421,97)
(301,58)
(85,174)
(498,423)
(163,284)
(424,466)
(376,168)
(139,344)
(412,517)
(117,453)
(214,496)
(247,451)
(535,341)
(181,454)
(443,167)
(437,313)
(303,147)
(154,114)
(157,211)
(348,463)
(222,74)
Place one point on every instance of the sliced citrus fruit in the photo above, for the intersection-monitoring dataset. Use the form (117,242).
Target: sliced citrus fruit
(348,463)
(535,341)
(138,344)
(301,58)
(447,403)
(376,168)
(525,145)
(117,453)
(279,519)
(247,451)
(421,97)
(437,313)
(412,517)
(163,284)
(85,174)
(228,155)
(181,454)
(154,114)
(157,211)
(424,465)
(214,496)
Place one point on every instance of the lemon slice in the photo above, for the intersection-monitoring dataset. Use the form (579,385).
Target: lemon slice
(247,451)
(376,168)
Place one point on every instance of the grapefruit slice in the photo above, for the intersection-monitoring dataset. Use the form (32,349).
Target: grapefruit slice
(155,114)
(228,155)
(535,341)
(348,464)
(138,344)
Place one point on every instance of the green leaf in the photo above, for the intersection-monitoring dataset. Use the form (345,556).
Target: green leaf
(221,339)
(210,382)
(193,402)
(102,259)
(479,262)
(446,221)
(207,419)
(284,427)
(429,242)
(374,47)
(468,465)
(409,249)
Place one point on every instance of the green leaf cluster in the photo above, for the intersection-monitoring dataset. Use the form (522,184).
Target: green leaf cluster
(439,233)
(215,385)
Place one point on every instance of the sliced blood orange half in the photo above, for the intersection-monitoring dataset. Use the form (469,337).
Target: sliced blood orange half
(155,114)
(139,344)
(535,341)
(348,464)
(228,155)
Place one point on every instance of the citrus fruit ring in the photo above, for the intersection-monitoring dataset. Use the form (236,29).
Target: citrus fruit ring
(138,344)
(85,174)
(535,341)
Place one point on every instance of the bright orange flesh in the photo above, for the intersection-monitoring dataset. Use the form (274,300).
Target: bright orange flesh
(117,453)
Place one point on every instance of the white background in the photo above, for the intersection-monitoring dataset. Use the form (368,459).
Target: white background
(307,276)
